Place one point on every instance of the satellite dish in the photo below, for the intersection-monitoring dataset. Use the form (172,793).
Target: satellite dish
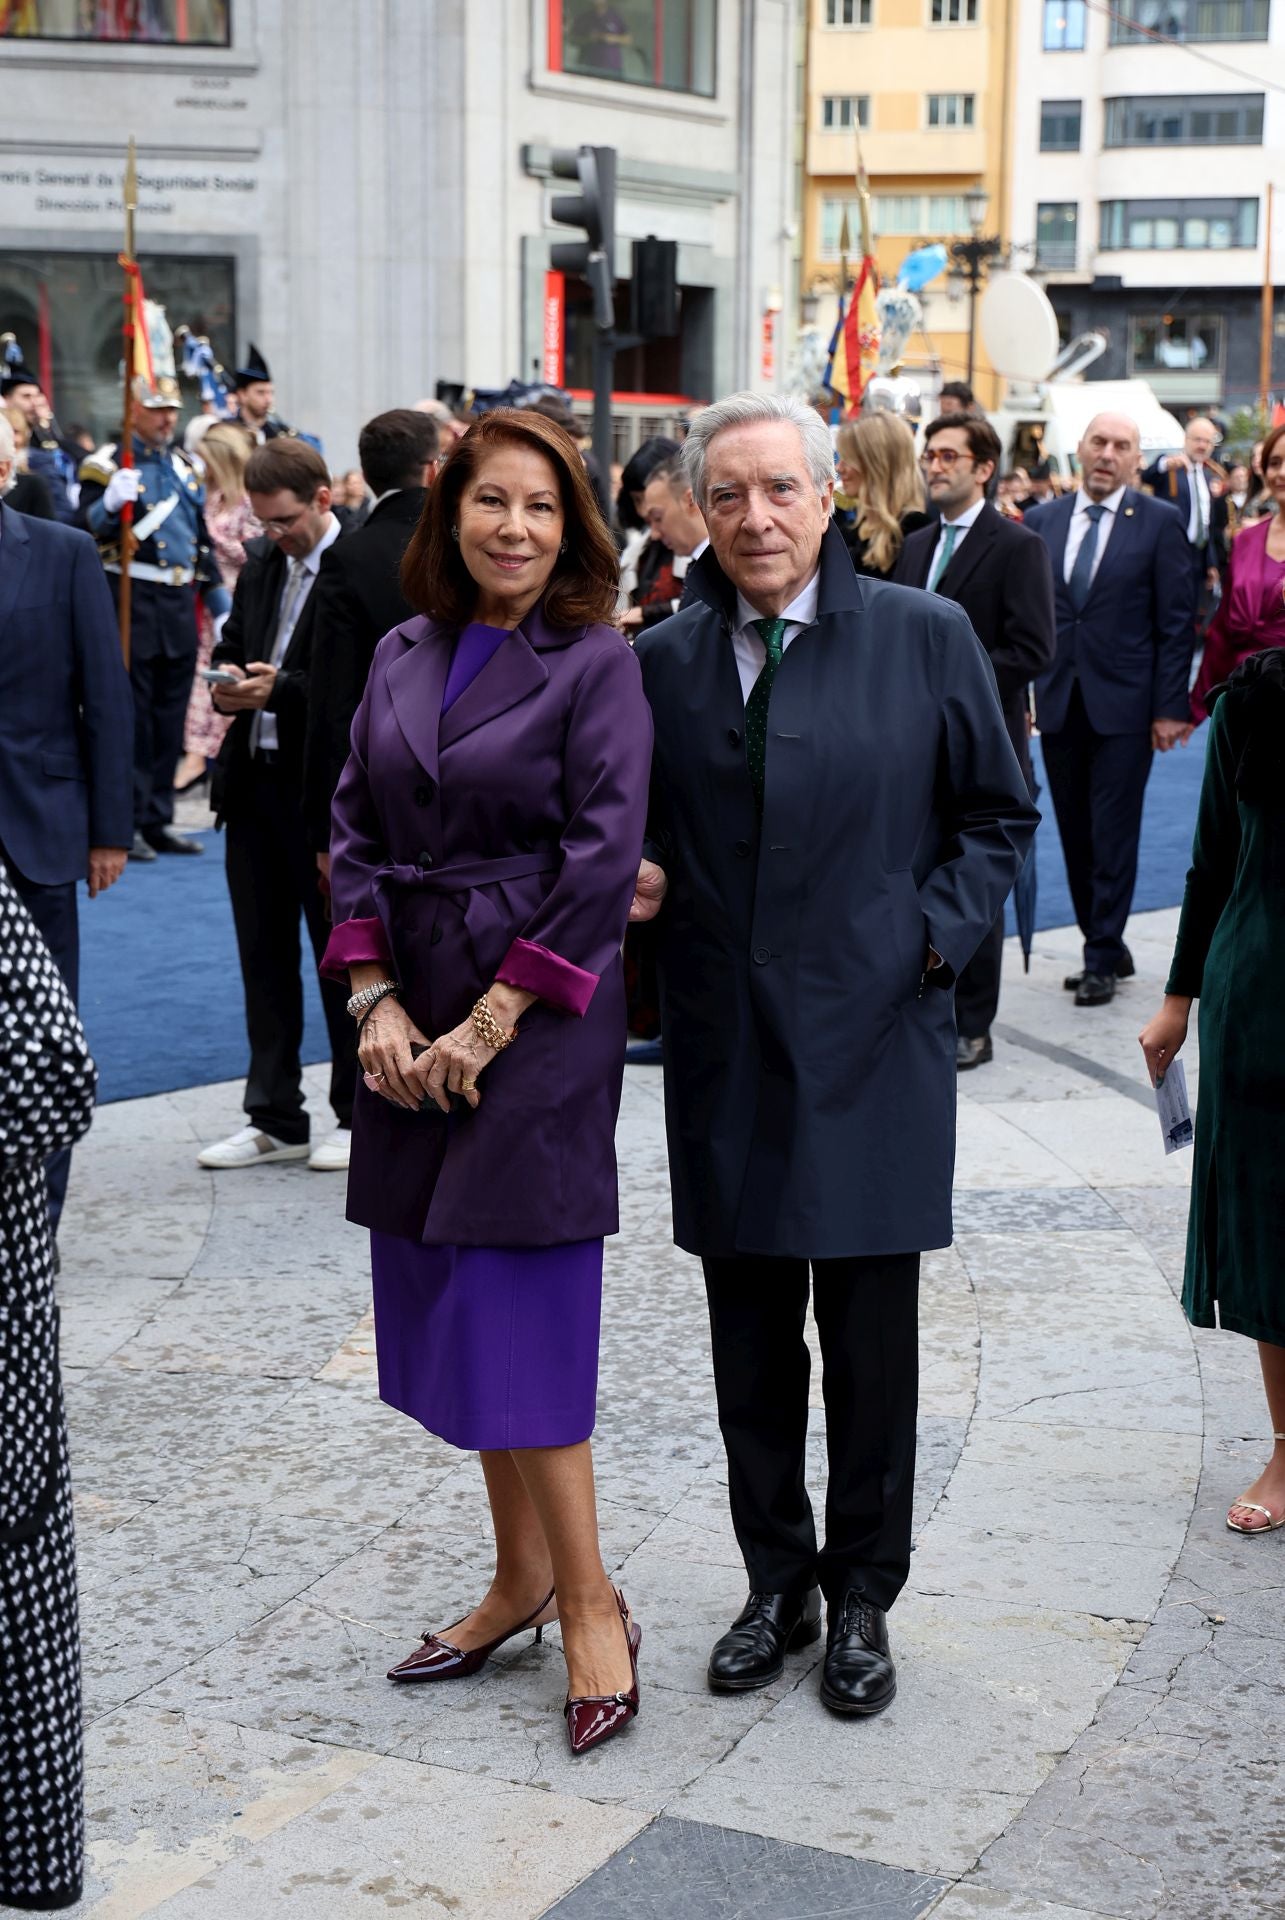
(1019,327)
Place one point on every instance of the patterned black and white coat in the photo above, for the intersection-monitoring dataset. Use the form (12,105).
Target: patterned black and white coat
(47,1084)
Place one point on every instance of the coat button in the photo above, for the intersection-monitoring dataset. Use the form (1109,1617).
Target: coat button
(742,849)
(761,956)
(422,796)
(424,857)
(733,737)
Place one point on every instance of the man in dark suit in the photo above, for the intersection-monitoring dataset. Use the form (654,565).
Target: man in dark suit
(838,817)
(1117,691)
(358,599)
(999,574)
(66,735)
(1191,482)
(272,876)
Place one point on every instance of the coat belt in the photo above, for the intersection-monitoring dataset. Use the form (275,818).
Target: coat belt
(466,877)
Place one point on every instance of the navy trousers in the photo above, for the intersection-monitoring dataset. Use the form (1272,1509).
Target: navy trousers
(1097,781)
(54,911)
(162,663)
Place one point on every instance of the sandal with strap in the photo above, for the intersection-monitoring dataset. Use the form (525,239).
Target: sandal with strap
(1256,1506)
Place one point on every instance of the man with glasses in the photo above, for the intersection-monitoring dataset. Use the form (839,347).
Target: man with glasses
(1117,690)
(257,795)
(999,574)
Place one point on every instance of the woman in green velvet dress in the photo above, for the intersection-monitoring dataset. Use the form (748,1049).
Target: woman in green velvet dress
(1229,955)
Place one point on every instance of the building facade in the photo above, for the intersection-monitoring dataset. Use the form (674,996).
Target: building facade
(924,88)
(1145,142)
(364,191)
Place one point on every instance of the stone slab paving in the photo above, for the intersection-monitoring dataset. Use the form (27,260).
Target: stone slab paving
(1089,1662)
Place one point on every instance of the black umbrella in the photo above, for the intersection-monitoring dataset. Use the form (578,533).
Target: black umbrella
(1025,893)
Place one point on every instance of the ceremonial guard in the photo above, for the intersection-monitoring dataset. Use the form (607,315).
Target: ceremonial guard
(171,555)
(256,398)
(49,455)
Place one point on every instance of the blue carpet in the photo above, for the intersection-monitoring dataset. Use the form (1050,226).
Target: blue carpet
(161,987)
(160,982)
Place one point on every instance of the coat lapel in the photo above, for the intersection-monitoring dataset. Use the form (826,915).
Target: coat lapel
(1117,546)
(416,683)
(513,672)
(971,554)
(15,554)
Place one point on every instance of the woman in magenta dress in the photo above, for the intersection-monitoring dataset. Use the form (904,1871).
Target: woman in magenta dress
(223,452)
(1251,613)
(486,838)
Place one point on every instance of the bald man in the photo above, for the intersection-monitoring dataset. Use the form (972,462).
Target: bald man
(1184,479)
(1117,690)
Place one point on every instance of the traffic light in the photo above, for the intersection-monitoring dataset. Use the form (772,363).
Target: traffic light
(655,288)
(593,210)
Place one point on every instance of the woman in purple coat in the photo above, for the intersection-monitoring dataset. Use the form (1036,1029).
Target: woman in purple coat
(486,837)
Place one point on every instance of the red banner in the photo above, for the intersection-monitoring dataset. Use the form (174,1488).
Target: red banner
(555,328)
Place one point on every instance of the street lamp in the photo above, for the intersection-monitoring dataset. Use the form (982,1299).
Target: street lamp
(971,257)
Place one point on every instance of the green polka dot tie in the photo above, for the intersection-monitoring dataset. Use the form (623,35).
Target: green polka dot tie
(772,633)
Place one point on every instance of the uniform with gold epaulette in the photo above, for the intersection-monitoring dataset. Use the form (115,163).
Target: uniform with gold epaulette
(172,560)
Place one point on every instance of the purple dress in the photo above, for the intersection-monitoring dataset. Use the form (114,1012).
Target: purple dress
(488,1347)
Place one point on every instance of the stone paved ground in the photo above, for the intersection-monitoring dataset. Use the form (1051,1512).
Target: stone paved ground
(1088,1721)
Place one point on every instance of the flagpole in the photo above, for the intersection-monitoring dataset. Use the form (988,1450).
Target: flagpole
(125,451)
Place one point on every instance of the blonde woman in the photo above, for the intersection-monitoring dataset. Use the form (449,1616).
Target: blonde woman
(223,451)
(878,469)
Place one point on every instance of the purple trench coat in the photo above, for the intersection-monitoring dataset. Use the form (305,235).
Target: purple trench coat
(498,840)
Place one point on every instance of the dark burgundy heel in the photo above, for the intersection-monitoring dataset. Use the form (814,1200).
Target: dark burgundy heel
(593,1718)
(437,1659)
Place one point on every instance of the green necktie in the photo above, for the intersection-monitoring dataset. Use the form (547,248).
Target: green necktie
(943,560)
(772,633)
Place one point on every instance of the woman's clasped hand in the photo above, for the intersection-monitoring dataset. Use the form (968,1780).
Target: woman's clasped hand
(451,1064)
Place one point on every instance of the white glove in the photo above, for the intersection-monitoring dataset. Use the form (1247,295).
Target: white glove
(125,484)
(217,625)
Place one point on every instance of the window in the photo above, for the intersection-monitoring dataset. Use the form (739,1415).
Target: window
(1055,232)
(844,110)
(1059,126)
(1190,20)
(922,216)
(1064,26)
(954,13)
(1175,343)
(167,23)
(951,109)
(645,43)
(73,300)
(848,13)
(1141,225)
(1186,120)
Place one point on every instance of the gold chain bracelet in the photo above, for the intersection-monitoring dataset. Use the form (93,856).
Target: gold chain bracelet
(488,1029)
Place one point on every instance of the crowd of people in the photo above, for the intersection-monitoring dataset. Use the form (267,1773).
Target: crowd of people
(469,727)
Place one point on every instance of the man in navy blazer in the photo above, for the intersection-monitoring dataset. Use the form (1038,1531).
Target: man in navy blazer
(1183,479)
(66,734)
(1117,690)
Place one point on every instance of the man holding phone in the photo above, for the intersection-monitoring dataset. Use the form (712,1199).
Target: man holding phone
(272,878)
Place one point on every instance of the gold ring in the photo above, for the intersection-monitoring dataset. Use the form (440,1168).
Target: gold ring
(468,1086)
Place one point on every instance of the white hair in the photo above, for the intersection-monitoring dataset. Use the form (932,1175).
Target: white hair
(8,452)
(748,409)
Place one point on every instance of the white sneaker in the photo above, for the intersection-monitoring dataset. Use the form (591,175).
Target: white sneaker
(331,1154)
(249,1148)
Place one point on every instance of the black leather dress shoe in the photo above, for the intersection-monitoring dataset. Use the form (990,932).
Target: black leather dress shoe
(140,849)
(858,1675)
(973,1053)
(752,1651)
(1095,990)
(165,840)
(1124,970)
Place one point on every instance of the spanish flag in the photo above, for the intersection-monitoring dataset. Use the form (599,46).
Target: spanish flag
(861,333)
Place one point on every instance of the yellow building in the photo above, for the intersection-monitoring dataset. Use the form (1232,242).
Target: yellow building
(926,83)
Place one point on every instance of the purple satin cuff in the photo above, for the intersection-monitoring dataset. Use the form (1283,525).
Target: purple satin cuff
(357,943)
(549,977)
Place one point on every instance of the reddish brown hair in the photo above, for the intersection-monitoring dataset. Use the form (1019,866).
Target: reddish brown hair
(583,587)
(1269,446)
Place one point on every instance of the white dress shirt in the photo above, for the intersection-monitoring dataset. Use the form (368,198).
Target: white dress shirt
(747,643)
(263,736)
(1198,482)
(1080,524)
(961,526)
